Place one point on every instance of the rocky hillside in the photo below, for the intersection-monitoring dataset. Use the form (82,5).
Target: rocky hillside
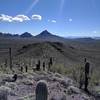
(66,54)
(59,87)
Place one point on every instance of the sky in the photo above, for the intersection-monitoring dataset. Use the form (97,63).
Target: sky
(60,17)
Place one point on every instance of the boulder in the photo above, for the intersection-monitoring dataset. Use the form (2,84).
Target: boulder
(73,90)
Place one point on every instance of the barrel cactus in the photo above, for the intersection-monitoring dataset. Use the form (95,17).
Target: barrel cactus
(41,91)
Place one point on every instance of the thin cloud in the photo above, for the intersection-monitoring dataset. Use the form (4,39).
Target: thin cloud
(5,18)
(70,19)
(37,17)
(18,18)
(31,6)
(95,31)
(53,21)
(61,6)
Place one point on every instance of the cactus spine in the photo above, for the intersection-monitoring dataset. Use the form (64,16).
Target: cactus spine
(41,91)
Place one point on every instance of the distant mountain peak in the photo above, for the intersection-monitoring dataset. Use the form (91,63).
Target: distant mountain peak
(26,34)
(45,33)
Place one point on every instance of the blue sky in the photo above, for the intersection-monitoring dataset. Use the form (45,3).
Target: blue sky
(61,17)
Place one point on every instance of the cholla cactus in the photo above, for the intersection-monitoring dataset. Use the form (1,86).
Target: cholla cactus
(41,90)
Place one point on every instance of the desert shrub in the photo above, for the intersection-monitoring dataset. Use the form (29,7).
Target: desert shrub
(95,78)
(58,68)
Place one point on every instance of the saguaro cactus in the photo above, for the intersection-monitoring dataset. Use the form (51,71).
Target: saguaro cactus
(10,57)
(41,91)
(50,63)
(85,60)
(38,66)
(3,95)
(43,66)
(87,68)
(26,68)
(51,60)
(5,63)
(21,69)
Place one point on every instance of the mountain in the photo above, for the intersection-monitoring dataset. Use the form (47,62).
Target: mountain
(47,36)
(9,35)
(68,53)
(26,34)
(44,34)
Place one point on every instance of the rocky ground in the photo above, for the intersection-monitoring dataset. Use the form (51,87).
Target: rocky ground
(59,87)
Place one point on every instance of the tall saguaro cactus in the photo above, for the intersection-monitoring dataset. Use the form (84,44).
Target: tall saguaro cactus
(21,69)
(38,66)
(5,63)
(85,60)
(26,68)
(41,91)
(87,70)
(50,63)
(51,60)
(43,66)
(10,58)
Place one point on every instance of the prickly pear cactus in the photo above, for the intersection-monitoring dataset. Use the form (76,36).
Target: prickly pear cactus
(41,91)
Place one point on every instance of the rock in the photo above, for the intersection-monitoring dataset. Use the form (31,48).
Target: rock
(10,79)
(58,75)
(27,97)
(84,97)
(7,79)
(11,85)
(7,90)
(58,97)
(73,90)
(64,82)
(2,83)
(4,92)
(27,82)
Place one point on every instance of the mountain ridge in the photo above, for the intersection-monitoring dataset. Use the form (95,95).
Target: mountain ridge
(43,35)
